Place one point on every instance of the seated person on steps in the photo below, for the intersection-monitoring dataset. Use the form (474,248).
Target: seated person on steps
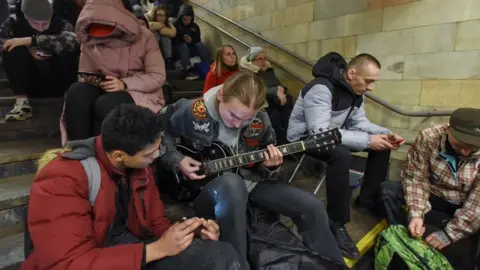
(39,55)
(187,42)
(126,53)
(442,174)
(335,99)
(126,227)
(280,102)
(230,115)
(164,32)
(224,66)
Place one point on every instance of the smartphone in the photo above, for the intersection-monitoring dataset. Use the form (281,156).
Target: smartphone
(43,54)
(98,75)
(198,230)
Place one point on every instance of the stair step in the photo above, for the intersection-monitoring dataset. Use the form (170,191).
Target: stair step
(11,221)
(174,75)
(41,107)
(186,86)
(14,191)
(36,127)
(6,91)
(11,252)
(18,157)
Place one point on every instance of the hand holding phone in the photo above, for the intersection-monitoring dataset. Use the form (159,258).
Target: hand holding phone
(187,38)
(395,140)
(43,54)
(94,78)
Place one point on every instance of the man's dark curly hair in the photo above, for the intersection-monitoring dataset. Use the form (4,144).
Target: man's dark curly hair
(130,128)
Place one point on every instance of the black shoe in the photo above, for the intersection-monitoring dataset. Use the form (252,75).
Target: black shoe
(191,75)
(370,207)
(344,241)
(169,64)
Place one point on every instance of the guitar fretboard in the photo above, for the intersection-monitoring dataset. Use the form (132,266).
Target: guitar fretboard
(218,165)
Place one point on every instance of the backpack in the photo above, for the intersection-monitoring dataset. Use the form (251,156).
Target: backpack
(396,244)
(92,169)
(273,246)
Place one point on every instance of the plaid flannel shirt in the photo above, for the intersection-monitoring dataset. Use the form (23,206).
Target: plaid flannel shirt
(427,172)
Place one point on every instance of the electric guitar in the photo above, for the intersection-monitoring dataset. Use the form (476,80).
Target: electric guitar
(217,159)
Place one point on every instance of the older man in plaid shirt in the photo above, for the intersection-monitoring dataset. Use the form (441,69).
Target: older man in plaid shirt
(442,174)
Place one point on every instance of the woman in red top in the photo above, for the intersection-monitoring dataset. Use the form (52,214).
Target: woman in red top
(218,73)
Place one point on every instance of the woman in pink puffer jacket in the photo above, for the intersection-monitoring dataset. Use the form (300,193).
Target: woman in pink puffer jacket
(112,43)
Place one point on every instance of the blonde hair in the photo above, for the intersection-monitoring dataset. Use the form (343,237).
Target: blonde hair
(219,64)
(247,87)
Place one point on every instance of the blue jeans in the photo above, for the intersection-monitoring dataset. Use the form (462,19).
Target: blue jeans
(165,45)
(186,51)
(225,198)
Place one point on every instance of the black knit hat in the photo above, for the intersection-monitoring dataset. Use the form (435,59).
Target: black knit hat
(465,124)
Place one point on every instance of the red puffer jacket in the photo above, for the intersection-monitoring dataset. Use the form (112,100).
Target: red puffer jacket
(213,80)
(68,233)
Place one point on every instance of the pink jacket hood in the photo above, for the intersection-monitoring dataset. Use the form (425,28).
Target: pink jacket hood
(108,12)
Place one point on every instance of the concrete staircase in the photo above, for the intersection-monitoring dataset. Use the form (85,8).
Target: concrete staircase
(22,143)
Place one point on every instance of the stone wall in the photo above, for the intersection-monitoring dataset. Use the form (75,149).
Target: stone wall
(429,49)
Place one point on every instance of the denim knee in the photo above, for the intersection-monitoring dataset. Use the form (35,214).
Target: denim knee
(232,187)
(391,189)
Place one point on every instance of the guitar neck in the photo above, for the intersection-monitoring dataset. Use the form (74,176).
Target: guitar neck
(222,164)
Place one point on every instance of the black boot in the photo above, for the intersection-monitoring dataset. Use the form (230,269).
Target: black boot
(191,75)
(169,64)
(344,241)
(371,207)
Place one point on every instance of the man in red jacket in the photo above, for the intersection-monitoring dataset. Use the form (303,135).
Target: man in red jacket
(126,228)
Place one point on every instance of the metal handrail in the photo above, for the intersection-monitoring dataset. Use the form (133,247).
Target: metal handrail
(248,46)
(376,99)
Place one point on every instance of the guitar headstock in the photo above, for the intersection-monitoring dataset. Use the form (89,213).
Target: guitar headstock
(324,140)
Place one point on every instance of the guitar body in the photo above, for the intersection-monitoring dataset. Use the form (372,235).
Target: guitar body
(181,187)
(216,159)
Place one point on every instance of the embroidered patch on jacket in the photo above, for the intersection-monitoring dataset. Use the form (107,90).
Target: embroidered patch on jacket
(205,127)
(254,129)
(199,110)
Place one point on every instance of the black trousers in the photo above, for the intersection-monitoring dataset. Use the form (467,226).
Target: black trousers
(37,79)
(279,116)
(225,198)
(86,106)
(339,192)
(200,255)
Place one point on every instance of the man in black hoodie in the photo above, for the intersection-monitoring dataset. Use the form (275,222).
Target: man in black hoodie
(188,42)
(335,99)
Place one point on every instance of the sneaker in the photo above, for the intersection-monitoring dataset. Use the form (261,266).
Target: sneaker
(191,76)
(20,112)
(344,241)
